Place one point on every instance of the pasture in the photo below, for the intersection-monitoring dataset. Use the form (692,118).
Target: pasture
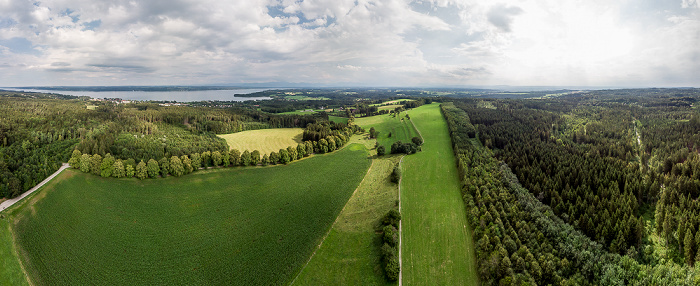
(10,269)
(235,226)
(338,119)
(350,254)
(264,140)
(391,128)
(437,242)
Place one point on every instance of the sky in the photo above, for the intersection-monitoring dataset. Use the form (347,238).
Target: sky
(626,43)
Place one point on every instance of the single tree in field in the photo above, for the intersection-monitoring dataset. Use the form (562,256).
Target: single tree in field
(85,163)
(186,164)
(206,159)
(118,170)
(75,159)
(164,165)
(216,158)
(372,133)
(106,166)
(381,150)
(301,151)
(130,171)
(153,169)
(196,161)
(284,156)
(176,167)
(95,164)
(309,148)
(141,171)
(225,158)
(274,158)
(292,153)
(417,140)
(235,157)
(254,158)
(245,158)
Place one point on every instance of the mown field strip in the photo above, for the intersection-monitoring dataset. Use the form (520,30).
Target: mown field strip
(264,140)
(238,226)
(437,245)
(350,253)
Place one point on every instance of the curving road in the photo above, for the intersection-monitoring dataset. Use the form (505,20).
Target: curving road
(10,202)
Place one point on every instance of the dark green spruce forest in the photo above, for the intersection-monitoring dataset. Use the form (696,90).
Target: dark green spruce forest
(561,188)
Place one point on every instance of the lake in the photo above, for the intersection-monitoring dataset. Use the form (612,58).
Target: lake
(179,96)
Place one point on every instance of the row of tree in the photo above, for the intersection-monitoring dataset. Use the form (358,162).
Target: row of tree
(109,166)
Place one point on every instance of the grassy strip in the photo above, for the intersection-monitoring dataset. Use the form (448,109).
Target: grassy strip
(249,226)
(264,140)
(10,269)
(350,254)
(437,242)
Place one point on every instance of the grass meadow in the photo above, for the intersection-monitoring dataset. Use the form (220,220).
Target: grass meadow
(264,140)
(350,253)
(437,242)
(234,226)
(398,127)
(10,269)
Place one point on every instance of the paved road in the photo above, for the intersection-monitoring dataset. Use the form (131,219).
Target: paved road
(9,203)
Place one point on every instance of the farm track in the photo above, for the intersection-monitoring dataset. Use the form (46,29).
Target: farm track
(8,203)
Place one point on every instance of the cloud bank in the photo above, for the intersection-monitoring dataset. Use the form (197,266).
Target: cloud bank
(349,42)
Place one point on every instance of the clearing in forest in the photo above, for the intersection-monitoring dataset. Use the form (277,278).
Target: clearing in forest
(235,226)
(264,140)
(437,241)
(350,253)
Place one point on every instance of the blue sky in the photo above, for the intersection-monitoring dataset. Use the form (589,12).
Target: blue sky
(351,42)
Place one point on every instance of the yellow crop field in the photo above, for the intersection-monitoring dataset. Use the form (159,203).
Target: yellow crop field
(264,140)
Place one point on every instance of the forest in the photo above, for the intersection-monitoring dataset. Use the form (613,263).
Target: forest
(40,131)
(595,188)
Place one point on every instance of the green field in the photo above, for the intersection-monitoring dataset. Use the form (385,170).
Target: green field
(10,270)
(437,241)
(238,226)
(338,119)
(264,140)
(298,112)
(350,254)
(395,101)
(398,127)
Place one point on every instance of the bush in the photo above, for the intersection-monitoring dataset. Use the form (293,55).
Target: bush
(390,240)
(396,174)
(391,235)
(381,151)
(417,140)
(392,218)
(392,269)
(406,148)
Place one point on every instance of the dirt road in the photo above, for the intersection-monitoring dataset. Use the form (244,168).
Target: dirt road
(9,203)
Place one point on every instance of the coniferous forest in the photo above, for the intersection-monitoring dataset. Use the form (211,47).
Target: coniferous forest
(593,188)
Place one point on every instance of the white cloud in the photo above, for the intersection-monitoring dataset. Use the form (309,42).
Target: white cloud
(367,42)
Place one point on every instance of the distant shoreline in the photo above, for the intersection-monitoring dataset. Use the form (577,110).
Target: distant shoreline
(158,93)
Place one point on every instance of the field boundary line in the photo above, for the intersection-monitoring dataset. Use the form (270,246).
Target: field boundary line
(332,225)
(416,129)
(8,203)
(400,232)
